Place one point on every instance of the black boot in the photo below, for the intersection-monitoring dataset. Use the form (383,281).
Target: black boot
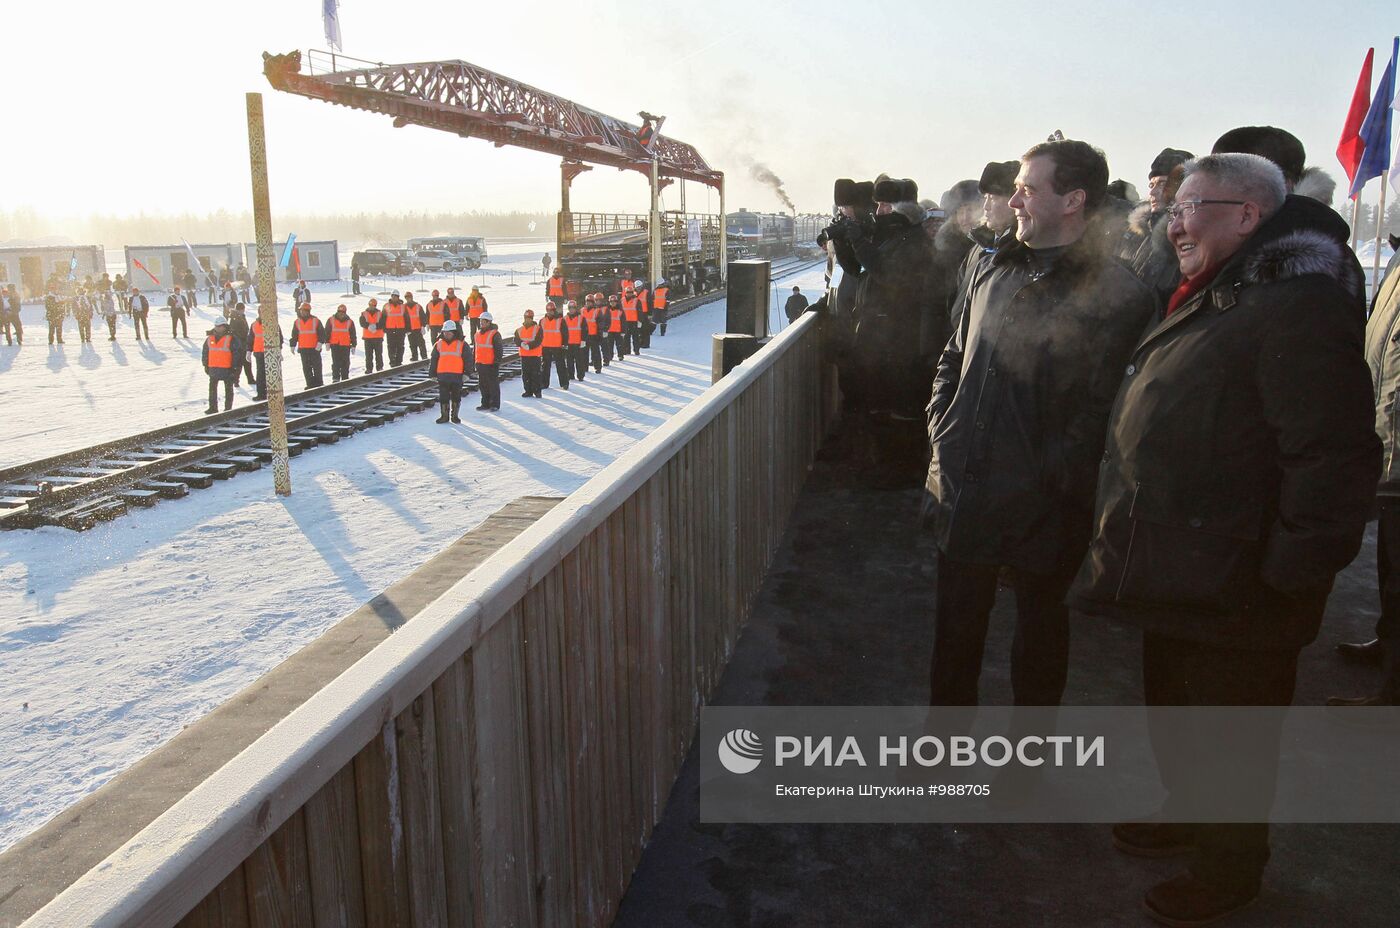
(1366,653)
(456,405)
(442,418)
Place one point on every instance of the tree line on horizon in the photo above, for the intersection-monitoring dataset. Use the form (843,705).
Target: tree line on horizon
(383,229)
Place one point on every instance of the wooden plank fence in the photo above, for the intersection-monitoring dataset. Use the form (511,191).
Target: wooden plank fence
(502,758)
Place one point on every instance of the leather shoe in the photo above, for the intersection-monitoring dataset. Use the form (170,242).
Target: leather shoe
(1184,901)
(1369,653)
(1154,839)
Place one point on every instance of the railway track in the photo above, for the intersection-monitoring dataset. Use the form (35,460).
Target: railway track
(79,489)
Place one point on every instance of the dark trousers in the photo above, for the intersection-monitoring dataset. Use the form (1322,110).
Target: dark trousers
(633,331)
(13,322)
(488,381)
(1039,652)
(85,330)
(659,316)
(340,363)
(644,327)
(595,352)
(1388,575)
(244,370)
(616,344)
(434,331)
(1184,673)
(396,338)
(531,374)
(374,355)
(450,395)
(112,327)
(260,364)
(417,345)
(214,392)
(177,322)
(355,286)
(554,358)
(311,366)
(142,324)
(55,331)
(577,360)
(472,326)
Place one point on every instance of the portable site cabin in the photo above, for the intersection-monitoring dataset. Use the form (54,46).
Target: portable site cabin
(166,264)
(318,260)
(28,266)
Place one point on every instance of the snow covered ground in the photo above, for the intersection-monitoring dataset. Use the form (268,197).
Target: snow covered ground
(114,639)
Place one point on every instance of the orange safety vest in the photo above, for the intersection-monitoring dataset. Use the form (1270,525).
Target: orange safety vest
(476,305)
(485,349)
(372,317)
(220,352)
(556,287)
(340,330)
(415,321)
(306,332)
(658,299)
(553,332)
(590,315)
(259,346)
(436,316)
(450,360)
(629,308)
(398,319)
(454,308)
(575,324)
(615,319)
(526,336)
(642,300)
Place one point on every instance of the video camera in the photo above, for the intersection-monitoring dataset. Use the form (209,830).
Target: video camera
(859,198)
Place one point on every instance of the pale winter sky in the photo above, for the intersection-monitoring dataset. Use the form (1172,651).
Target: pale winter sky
(139,105)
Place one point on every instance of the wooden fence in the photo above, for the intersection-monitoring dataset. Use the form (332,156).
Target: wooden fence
(502,758)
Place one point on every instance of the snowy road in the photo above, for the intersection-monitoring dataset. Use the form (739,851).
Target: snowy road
(114,639)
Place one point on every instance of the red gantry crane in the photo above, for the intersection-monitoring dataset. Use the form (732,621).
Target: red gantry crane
(459,97)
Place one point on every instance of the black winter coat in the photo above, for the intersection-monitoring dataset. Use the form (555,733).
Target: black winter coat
(1242,459)
(1154,259)
(1021,402)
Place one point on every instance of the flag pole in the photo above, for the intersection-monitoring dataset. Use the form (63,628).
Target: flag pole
(1380,232)
(1355,220)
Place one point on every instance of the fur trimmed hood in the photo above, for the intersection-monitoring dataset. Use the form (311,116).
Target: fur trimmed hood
(1297,254)
(1140,219)
(910,210)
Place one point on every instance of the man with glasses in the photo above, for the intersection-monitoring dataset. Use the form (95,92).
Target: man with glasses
(1236,482)
(1017,420)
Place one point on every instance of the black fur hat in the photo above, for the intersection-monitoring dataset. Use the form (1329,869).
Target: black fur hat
(999,178)
(844,192)
(910,191)
(889,191)
(1278,145)
(865,196)
(961,194)
(1169,158)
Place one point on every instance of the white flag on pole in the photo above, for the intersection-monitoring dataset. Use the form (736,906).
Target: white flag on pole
(330,17)
(195,264)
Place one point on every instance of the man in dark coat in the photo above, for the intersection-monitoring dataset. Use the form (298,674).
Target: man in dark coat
(238,328)
(219,357)
(9,315)
(448,363)
(175,303)
(1238,475)
(140,313)
(308,335)
(796,305)
(54,311)
(486,350)
(1017,424)
(1383,356)
(996,228)
(1145,246)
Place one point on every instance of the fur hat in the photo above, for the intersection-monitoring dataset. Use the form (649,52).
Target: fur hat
(963,193)
(999,178)
(1278,145)
(1123,190)
(910,191)
(1318,184)
(1168,158)
(888,191)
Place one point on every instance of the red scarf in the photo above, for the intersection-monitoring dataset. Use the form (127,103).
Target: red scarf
(1189,287)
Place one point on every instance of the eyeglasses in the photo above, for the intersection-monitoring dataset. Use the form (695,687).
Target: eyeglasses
(1188,207)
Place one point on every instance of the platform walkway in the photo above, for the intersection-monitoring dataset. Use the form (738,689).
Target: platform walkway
(843,618)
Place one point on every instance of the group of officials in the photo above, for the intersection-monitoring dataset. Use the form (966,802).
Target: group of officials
(1163,417)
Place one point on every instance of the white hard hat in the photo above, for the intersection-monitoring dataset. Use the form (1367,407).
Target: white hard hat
(449,326)
(487,317)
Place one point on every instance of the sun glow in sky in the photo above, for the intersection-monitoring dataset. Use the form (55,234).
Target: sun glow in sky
(122,107)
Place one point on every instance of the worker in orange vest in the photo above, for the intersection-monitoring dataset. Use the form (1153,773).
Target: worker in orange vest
(595,324)
(437,315)
(554,355)
(417,318)
(395,328)
(632,320)
(455,307)
(529,338)
(372,330)
(575,351)
(220,349)
(449,365)
(554,289)
(487,353)
(615,344)
(259,348)
(660,297)
(340,334)
(307,337)
(644,323)
(476,305)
